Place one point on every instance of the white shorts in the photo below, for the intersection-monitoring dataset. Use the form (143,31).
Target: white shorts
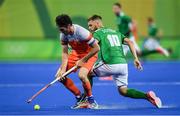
(119,72)
(151,44)
(126,47)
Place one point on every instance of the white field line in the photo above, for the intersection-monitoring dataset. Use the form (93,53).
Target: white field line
(95,84)
(115,106)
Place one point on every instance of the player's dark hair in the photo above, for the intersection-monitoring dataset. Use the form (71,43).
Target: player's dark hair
(63,20)
(117,4)
(95,17)
(150,19)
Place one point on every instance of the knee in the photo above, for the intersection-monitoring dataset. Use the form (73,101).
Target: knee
(83,77)
(122,90)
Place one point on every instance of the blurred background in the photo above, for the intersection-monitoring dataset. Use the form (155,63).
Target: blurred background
(28,30)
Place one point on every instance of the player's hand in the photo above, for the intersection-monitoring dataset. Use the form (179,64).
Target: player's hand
(138,65)
(59,74)
(80,63)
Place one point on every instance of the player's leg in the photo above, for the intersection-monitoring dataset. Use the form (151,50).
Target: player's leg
(84,95)
(88,66)
(152,46)
(136,94)
(87,81)
(92,72)
(83,75)
(90,78)
(119,73)
(132,93)
(162,50)
(122,82)
(68,83)
(148,48)
(148,52)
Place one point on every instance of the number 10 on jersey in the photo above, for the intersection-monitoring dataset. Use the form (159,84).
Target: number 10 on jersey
(114,40)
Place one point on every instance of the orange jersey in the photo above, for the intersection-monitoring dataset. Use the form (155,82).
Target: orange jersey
(80,42)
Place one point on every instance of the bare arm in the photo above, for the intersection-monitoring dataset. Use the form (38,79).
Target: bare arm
(64,57)
(131,46)
(62,69)
(133,51)
(94,49)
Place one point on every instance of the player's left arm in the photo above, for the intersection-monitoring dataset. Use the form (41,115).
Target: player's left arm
(86,36)
(94,50)
(137,63)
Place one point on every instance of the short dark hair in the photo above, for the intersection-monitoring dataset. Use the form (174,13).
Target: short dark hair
(117,4)
(95,17)
(63,20)
(150,19)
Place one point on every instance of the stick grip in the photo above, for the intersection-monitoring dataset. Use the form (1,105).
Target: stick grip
(65,74)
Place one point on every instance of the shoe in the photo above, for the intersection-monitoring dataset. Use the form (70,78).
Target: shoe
(154,99)
(92,103)
(79,100)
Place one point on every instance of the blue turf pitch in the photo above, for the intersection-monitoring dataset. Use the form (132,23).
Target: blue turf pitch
(19,81)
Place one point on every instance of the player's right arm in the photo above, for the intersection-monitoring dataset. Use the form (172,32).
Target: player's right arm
(64,54)
(137,63)
(64,58)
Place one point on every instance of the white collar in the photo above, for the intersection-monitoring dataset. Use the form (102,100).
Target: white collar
(122,13)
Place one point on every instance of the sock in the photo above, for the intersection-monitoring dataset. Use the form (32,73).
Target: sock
(132,93)
(147,52)
(91,83)
(87,88)
(68,83)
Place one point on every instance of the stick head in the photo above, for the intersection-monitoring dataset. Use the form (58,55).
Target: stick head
(29,101)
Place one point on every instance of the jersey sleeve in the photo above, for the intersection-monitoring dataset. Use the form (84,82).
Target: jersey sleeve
(85,35)
(63,39)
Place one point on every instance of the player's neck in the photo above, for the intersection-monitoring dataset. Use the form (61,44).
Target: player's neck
(100,26)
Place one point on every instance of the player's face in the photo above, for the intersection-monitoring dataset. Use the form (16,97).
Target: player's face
(116,10)
(65,30)
(149,22)
(92,26)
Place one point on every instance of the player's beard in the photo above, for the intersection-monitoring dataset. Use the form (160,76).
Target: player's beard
(117,14)
(95,28)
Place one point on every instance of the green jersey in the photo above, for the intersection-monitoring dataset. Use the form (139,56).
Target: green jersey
(123,23)
(110,42)
(152,30)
